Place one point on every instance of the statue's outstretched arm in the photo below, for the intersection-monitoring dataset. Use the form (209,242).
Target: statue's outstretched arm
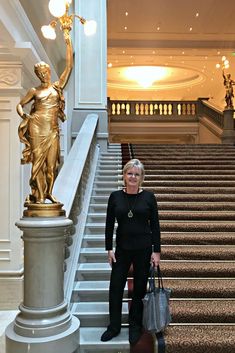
(69,60)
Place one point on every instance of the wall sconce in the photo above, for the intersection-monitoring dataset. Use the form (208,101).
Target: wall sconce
(60,10)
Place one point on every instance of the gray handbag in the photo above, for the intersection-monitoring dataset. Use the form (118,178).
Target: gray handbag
(156,311)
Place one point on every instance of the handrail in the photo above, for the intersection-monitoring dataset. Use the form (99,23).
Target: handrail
(213,113)
(119,109)
(73,188)
(66,183)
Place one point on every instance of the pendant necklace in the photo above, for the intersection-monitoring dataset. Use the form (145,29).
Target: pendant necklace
(130,213)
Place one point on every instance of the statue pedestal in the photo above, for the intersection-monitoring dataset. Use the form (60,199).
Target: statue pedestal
(44,323)
(228,135)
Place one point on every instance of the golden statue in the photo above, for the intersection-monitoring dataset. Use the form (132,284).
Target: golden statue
(39,130)
(228,84)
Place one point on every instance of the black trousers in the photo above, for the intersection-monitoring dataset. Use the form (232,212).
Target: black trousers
(140,259)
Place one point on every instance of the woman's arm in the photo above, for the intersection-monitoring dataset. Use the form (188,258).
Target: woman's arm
(25,100)
(69,60)
(155,226)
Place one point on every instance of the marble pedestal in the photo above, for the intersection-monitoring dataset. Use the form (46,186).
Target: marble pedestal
(44,323)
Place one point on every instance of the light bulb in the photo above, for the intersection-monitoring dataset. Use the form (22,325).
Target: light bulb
(48,32)
(217,66)
(223,58)
(90,27)
(57,7)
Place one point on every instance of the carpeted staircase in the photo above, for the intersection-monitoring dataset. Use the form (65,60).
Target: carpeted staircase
(195,189)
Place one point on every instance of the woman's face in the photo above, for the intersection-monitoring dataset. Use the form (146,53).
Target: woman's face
(44,74)
(132,177)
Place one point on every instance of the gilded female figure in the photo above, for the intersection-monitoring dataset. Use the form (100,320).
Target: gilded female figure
(39,130)
(228,84)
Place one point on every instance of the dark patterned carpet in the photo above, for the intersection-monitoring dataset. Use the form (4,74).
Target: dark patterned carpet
(195,189)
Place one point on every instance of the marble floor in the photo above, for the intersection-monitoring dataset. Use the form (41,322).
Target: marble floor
(5,318)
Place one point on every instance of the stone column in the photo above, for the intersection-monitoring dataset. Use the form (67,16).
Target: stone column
(228,135)
(44,323)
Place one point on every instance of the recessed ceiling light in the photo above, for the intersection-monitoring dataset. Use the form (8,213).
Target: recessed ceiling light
(191,28)
(125,28)
(183,52)
(218,52)
(110,64)
(126,13)
(197,14)
(158,28)
(153,52)
(123,52)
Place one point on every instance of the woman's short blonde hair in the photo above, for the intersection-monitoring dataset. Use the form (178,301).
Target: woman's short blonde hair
(134,163)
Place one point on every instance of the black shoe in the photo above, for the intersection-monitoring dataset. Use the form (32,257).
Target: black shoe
(134,335)
(108,335)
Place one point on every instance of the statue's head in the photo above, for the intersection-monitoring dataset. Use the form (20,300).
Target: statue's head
(43,71)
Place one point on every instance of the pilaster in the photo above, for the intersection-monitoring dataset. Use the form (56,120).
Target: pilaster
(91,68)
(11,253)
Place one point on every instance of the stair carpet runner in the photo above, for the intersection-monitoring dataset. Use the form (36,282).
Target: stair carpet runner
(195,189)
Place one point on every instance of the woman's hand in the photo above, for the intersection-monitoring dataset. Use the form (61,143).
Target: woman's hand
(155,258)
(111,257)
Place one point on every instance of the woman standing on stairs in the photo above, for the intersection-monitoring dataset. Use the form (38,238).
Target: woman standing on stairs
(137,244)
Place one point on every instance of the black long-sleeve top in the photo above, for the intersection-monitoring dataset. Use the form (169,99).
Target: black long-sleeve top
(140,231)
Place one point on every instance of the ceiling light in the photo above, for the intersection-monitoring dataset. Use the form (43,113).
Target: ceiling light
(158,28)
(191,28)
(197,14)
(145,75)
(126,13)
(110,64)
(125,28)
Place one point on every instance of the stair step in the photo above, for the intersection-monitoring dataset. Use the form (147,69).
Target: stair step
(181,288)
(199,197)
(206,338)
(183,311)
(90,341)
(174,238)
(189,178)
(172,252)
(177,215)
(191,190)
(189,268)
(184,226)
(188,184)
(103,191)
(204,311)
(96,313)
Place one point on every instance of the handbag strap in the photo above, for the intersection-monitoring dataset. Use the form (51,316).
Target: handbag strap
(152,283)
(159,275)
